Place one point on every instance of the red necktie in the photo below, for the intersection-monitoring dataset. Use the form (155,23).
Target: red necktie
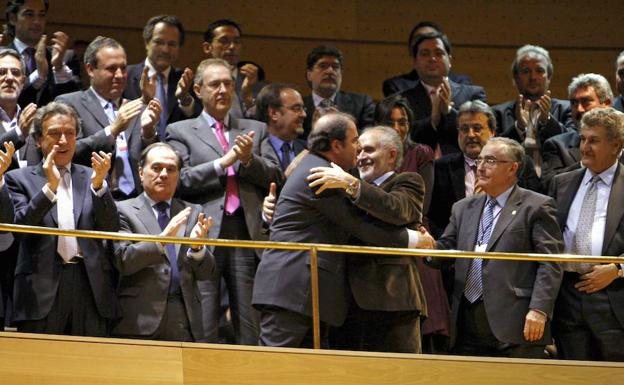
(232,201)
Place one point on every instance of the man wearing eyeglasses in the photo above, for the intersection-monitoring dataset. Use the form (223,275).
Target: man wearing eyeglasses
(618,102)
(502,308)
(324,76)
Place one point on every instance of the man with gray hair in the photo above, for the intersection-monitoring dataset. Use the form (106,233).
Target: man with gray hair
(561,152)
(618,102)
(534,116)
(310,215)
(502,308)
(589,316)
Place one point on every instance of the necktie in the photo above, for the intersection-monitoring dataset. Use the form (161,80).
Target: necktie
(232,201)
(285,155)
(326,103)
(474,282)
(163,220)
(161,95)
(29,58)
(67,247)
(582,237)
(123,168)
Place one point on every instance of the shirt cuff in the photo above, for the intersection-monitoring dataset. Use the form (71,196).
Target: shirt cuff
(100,193)
(541,312)
(218,169)
(48,193)
(414,237)
(64,75)
(2,183)
(187,110)
(196,255)
(35,80)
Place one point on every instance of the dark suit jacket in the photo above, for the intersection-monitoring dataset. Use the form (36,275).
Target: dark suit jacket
(563,190)
(93,137)
(264,149)
(446,133)
(360,106)
(194,140)
(283,276)
(48,91)
(38,264)
(389,283)
(618,104)
(6,216)
(449,187)
(410,80)
(27,146)
(560,121)
(145,272)
(527,224)
(560,154)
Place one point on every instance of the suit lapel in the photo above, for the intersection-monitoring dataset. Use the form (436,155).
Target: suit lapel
(79,189)
(145,213)
(267,151)
(615,208)
(473,216)
(458,176)
(37,173)
(172,83)
(505,217)
(343,102)
(204,133)
(92,104)
(566,195)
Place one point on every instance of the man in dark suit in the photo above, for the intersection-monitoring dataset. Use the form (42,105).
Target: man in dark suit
(6,216)
(163,36)
(435,98)
(455,175)
(589,313)
(534,116)
(282,283)
(618,102)
(409,80)
(388,298)
(561,152)
(324,76)
(63,285)
(503,307)
(48,75)
(111,124)
(221,172)
(222,40)
(158,283)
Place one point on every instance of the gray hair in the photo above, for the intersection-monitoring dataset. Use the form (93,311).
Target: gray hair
(199,74)
(598,82)
(478,107)
(388,139)
(50,110)
(609,118)
(11,52)
(533,52)
(513,149)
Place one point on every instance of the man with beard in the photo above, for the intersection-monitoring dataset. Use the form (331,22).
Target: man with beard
(324,76)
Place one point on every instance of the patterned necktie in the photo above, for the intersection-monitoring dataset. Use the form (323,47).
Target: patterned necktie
(232,200)
(29,58)
(582,243)
(326,103)
(67,247)
(163,221)
(161,95)
(123,168)
(285,155)
(474,282)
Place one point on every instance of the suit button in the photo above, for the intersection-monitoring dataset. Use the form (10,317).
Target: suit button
(166,271)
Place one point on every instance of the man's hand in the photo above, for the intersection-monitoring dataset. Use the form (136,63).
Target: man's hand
(228,159)
(445,97)
(268,205)
(149,119)
(329,177)
(523,109)
(26,117)
(59,46)
(534,324)
(51,172)
(101,164)
(183,88)
(544,103)
(243,146)
(40,58)
(127,112)
(425,240)
(148,85)
(597,279)
(250,72)
(174,224)
(6,157)
(201,228)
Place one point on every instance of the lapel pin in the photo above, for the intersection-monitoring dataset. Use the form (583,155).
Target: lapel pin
(513,212)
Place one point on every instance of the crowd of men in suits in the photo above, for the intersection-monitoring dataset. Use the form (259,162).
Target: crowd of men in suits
(215,152)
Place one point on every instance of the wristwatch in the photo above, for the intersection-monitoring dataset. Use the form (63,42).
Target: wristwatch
(352,188)
(620,272)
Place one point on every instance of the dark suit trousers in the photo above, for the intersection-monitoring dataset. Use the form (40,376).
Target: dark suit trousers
(237,266)
(584,326)
(174,325)
(475,337)
(74,311)
(285,328)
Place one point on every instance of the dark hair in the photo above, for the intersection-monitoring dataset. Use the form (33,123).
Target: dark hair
(90,55)
(431,36)
(384,108)
(53,109)
(170,20)
(270,96)
(13,6)
(11,52)
(478,107)
(330,127)
(209,34)
(323,50)
(422,24)
(261,74)
(146,151)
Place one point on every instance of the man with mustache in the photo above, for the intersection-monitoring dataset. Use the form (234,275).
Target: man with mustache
(324,76)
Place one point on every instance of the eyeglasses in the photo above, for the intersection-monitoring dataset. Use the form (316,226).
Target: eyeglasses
(296,108)
(490,162)
(476,128)
(325,66)
(16,72)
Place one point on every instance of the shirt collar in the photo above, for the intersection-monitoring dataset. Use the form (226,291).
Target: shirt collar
(277,142)
(501,200)
(383,178)
(20,46)
(6,118)
(104,102)
(211,121)
(152,70)
(428,88)
(153,202)
(606,176)
(318,99)
(470,162)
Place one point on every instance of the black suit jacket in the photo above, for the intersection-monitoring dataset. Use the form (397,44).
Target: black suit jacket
(410,80)
(563,190)
(38,265)
(360,106)
(446,133)
(618,104)
(27,146)
(6,216)
(449,187)
(283,276)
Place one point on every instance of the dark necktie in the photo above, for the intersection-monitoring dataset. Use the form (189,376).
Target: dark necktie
(474,282)
(161,95)
(163,220)
(29,58)
(285,155)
